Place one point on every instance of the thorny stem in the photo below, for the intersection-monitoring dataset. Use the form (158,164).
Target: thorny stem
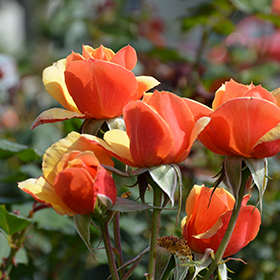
(117,237)
(231,225)
(155,231)
(109,249)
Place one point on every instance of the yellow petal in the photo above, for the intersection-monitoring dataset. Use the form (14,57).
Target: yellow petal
(53,80)
(271,135)
(198,127)
(276,94)
(56,115)
(72,142)
(119,142)
(116,142)
(43,192)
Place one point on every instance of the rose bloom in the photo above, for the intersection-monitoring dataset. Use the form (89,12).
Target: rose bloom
(160,129)
(244,121)
(73,178)
(205,225)
(95,84)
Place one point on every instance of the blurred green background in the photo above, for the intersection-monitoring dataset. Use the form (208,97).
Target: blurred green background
(191,47)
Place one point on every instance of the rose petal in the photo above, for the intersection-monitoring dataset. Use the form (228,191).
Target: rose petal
(125,57)
(45,193)
(75,187)
(150,137)
(145,83)
(54,82)
(236,126)
(73,142)
(56,115)
(99,87)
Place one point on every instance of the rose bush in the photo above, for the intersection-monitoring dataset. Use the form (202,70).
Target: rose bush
(95,84)
(73,178)
(245,121)
(206,221)
(160,129)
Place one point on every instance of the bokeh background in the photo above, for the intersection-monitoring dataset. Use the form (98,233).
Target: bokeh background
(191,47)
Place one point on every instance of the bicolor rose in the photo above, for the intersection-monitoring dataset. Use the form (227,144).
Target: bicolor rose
(73,177)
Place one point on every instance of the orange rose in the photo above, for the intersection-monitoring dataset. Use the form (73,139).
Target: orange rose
(204,227)
(160,129)
(73,178)
(95,84)
(244,121)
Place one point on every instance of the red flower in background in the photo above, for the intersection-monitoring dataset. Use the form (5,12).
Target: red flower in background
(205,225)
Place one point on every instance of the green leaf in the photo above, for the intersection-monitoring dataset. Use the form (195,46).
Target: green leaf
(21,256)
(259,171)
(126,205)
(166,178)
(233,172)
(4,248)
(222,271)
(24,153)
(165,263)
(253,6)
(49,220)
(82,223)
(11,223)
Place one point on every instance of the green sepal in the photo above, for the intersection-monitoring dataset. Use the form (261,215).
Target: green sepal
(233,173)
(11,223)
(82,223)
(165,176)
(259,171)
(222,271)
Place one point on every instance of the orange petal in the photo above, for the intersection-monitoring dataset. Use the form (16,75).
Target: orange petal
(198,109)
(76,189)
(246,228)
(73,142)
(203,214)
(45,193)
(100,53)
(107,191)
(73,57)
(236,126)
(145,83)
(125,57)
(99,87)
(260,92)
(228,91)
(150,137)
(53,80)
(178,118)
(56,115)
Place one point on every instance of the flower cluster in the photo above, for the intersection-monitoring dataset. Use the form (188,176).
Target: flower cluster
(160,129)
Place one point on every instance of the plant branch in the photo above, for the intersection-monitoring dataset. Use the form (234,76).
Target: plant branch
(231,225)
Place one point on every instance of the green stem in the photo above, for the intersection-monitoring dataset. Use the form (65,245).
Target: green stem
(231,225)
(109,249)
(155,231)
(17,241)
(117,238)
